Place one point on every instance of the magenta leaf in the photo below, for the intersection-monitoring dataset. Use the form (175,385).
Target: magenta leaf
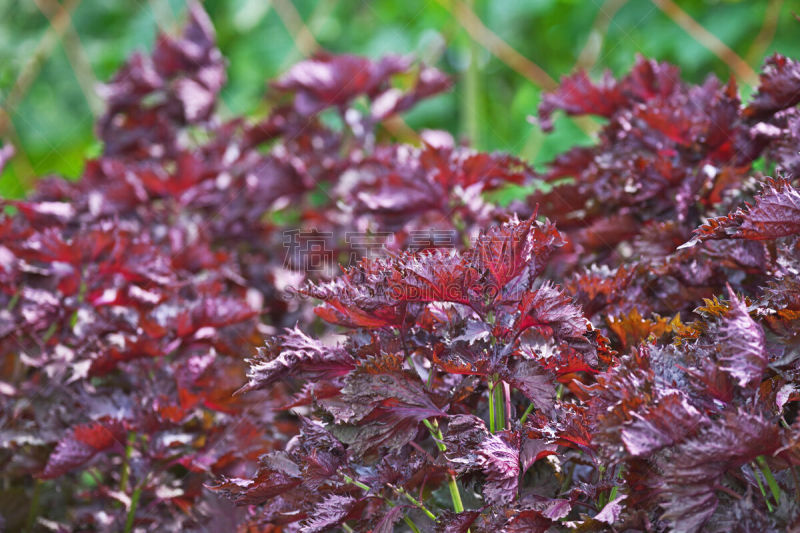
(82,444)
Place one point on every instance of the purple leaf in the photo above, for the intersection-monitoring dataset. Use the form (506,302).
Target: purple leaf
(470,447)
(740,344)
(83,443)
(776,214)
(450,522)
(329,80)
(779,88)
(330,512)
(294,354)
(664,424)
(380,406)
(387,521)
(611,511)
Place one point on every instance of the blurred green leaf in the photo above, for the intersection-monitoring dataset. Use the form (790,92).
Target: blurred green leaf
(53,123)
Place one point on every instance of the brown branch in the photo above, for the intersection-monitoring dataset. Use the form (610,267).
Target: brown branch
(74,52)
(739,66)
(497,46)
(27,75)
(320,15)
(31,69)
(508,55)
(766,33)
(400,130)
(303,39)
(594,43)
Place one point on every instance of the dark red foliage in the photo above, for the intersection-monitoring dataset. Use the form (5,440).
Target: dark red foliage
(779,88)
(130,297)
(619,351)
(775,214)
(86,441)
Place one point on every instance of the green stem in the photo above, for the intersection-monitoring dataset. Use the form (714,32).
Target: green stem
(601,498)
(455,495)
(411,524)
(13,301)
(365,488)
(33,511)
(407,520)
(499,403)
(436,433)
(524,417)
(123,478)
(615,488)
(470,102)
(761,488)
(507,404)
(529,410)
(347,528)
(132,511)
(568,477)
(50,331)
(492,426)
(401,491)
(773,485)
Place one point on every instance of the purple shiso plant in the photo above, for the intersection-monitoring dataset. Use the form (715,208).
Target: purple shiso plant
(618,350)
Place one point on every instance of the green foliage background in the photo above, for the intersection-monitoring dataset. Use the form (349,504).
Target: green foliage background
(46,81)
